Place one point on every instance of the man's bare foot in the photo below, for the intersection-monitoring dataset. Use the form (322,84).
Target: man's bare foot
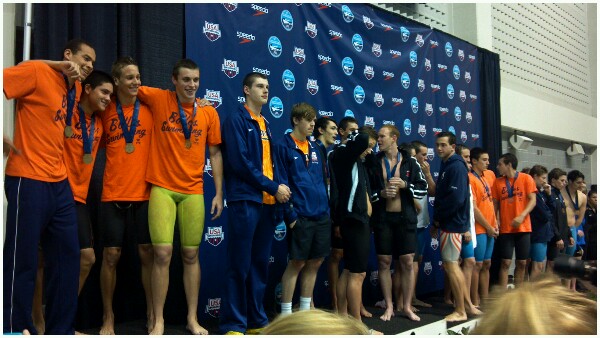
(26,332)
(401,309)
(364,312)
(150,322)
(472,310)
(417,302)
(456,317)
(380,304)
(412,316)
(80,333)
(195,328)
(388,314)
(108,325)
(448,301)
(158,329)
(375,332)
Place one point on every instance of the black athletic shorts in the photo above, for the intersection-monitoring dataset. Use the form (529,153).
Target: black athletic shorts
(551,251)
(356,237)
(519,242)
(309,239)
(84,224)
(336,242)
(118,216)
(395,236)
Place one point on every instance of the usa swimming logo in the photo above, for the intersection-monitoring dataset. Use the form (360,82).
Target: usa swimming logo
(369,121)
(405,79)
(461,55)
(450,91)
(368,23)
(434,242)
(427,64)
(335,35)
(349,113)
(407,127)
(463,136)
(414,105)
(275,47)
(428,109)
(347,66)
(421,85)
(468,117)
(405,34)
(311,29)
(457,113)
(430,153)
(452,130)
(397,101)
(230,68)
(463,96)
(422,130)
(378,99)
(387,75)
(347,14)
(276,107)
(214,235)
(337,90)
(287,20)
(312,86)
(230,7)
(208,168)
(419,40)
(413,58)
(374,277)
(212,31)
(468,77)
(359,94)
(214,96)
(448,49)
(369,72)
(213,307)
(299,55)
(427,268)
(280,231)
(376,49)
(456,72)
(357,42)
(289,81)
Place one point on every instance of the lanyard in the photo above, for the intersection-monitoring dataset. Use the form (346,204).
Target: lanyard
(576,204)
(128,132)
(187,131)
(485,185)
(391,173)
(509,188)
(562,201)
(88,138)
(70,104)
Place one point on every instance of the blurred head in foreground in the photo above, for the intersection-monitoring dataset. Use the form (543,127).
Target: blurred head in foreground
(313,322)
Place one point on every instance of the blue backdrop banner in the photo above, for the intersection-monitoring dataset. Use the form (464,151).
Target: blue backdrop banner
(345,60)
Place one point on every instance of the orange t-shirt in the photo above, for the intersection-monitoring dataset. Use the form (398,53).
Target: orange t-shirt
(523,186)
(41,95)
(266,147)
(78,172)
(483,198)
(125,174)
(170,164)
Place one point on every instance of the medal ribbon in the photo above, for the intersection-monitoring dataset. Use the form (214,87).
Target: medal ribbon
(70,101)
(88,138)
(187,132)
(129,133)
(387,166)
(485,185)
(509,188)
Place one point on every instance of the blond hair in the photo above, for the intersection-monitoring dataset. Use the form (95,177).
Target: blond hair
(315,322)
(541,307)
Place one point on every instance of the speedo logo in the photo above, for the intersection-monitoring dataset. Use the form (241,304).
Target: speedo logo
(473,97)
(388,75)
(335,35)
(443,110)
(337,89)
(245,37)
(442,68)
(391,123)
(262,71)
(324,5)
(259,10)
(324,59)
(397,101)
(326,113)
(471,58)
(386,27)
(433,43)
(435,88)
(395,53)
(435,132)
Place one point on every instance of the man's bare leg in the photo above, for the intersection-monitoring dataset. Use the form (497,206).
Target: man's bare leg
(289,279)
(309,277)
(467,269)
(160,284)
(536,269)
(407,279)
(503,273)
(484,280)
(108,281)
(354,293)
(385,281)
(342,286)
(333,270)
(520,268)
(191,284)
(475,283)
(457,282)
(415,301)
(86,261)
(147,260)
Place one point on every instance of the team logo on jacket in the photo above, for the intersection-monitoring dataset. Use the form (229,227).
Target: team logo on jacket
(452,130)
(208,168)
(468,117)
(405,79)
(280,231)
(214,235)
(405,34)
(376,49)
(311,29)
(212,31)
(299,55)
(378,99)
(448,49)
(422,130)
(357,42)
(427,64)
(312,86)
(276,107)
(369,121)
(413,58)
(374,277)
(230,7)
(434,242)
(347,14)
(407,127)
(421,85)
(430,154)
(463,136)
(456,72)
(457,113)
(230,68)
(349,113)
(468,77)
(314,157)
(368,23)
(428,109)
(414,105)
(214,96)
(359,94)
(348,65)
(450,91)
(275,47)
(461,55)
(213,307)
(419,40)
(427,268)
(369,72)
(287,20)
(462,95)
(289,81)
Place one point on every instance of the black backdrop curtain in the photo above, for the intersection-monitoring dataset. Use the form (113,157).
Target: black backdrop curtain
(154,35)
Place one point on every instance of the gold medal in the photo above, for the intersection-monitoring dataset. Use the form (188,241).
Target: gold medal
(68,131)
(129,148)
(87,158)
(188,143)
